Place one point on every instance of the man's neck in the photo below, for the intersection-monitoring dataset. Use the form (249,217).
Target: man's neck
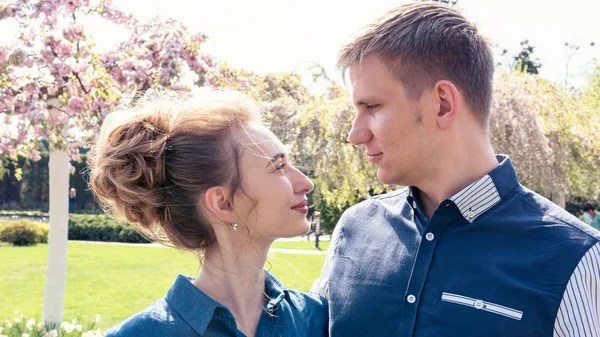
(453,173)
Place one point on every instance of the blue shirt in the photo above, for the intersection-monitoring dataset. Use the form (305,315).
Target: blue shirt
(496,259)
(187,311)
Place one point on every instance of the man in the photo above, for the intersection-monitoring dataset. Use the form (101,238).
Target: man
(590,216)
(465,250)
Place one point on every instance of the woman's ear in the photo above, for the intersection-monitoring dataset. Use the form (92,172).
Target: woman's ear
(218,201)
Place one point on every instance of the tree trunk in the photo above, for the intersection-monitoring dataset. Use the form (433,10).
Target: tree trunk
(558,197)
(56,272)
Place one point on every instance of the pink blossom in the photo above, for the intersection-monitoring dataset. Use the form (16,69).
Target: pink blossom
(156,53)
(76,105)
(33,155)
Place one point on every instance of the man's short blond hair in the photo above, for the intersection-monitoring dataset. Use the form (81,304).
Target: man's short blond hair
(425,42)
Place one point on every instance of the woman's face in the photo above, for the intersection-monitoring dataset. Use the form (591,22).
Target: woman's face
(272,200)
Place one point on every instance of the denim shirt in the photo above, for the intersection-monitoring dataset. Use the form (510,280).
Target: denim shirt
(496,259)
(187,311)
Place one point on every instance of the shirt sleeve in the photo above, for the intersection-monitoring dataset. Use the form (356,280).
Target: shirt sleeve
(579,311)
(321,285)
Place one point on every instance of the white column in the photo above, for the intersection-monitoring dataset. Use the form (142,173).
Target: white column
(56,270)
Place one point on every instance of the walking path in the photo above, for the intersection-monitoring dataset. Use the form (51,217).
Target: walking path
(157,245)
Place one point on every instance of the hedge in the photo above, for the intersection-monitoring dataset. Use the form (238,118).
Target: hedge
(23,232)
(84,227)
(101,227)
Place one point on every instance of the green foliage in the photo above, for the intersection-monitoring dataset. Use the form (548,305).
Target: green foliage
(553,138)
(23,233)
(21,326)
(31,191)
(101,227)
(525,62)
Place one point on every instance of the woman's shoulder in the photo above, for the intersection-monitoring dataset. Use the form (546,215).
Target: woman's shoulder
(302,300)
(159,319)
(298,299)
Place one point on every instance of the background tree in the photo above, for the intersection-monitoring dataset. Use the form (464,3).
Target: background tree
(57,87)
(523,61)
(550,134)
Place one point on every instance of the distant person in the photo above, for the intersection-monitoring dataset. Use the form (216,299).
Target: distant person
(72,199)
(206,176)
(591,216)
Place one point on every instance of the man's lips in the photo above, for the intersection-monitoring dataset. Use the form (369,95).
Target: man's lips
(374,156)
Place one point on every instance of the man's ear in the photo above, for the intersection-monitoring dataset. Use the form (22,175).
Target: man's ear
(448,98)
(218,201)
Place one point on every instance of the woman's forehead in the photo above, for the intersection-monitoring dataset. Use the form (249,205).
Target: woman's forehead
(261,142)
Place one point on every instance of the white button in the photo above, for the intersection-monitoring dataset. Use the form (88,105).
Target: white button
(478,304)
(429,236)
(411,299)
(470,214)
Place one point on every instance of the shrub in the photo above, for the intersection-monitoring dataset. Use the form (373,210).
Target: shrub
(23,233)
(85,227)
(24,326)
(101,227)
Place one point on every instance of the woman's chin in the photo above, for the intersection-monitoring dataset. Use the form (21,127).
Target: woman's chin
(298,231)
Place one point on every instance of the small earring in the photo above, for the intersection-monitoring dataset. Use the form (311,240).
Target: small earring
(234,226)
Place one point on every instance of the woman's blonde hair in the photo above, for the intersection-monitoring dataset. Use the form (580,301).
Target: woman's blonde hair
(151,164)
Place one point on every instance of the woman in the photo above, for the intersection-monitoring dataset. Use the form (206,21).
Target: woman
(205,176)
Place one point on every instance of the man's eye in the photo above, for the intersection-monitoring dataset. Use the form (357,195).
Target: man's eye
(372,106)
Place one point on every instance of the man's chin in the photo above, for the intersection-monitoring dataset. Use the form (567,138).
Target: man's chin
(383,177)
(386,178)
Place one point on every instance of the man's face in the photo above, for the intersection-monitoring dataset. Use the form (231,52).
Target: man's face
(591,212)
(393,128)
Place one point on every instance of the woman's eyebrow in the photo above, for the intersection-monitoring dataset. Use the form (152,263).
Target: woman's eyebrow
(275,157)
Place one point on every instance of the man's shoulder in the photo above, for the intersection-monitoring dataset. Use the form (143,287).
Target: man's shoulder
(393,198)
(551,214)
(159,319)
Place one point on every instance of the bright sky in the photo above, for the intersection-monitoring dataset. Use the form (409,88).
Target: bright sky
(284,35)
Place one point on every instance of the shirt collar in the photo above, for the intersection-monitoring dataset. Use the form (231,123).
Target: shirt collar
(275,290)
(483,194)
(197,309)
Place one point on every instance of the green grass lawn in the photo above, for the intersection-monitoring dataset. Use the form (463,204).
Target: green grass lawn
(117,281)
(306,245)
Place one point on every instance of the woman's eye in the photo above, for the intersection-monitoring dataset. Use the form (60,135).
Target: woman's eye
(280,167)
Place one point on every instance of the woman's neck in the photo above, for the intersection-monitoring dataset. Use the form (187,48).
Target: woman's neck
(234,276)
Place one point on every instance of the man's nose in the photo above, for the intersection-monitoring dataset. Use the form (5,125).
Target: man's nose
(359,135)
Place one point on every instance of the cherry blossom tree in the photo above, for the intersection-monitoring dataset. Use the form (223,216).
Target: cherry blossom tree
(56,86)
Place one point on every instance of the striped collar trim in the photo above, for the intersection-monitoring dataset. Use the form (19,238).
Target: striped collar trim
(472,201)
(477,198)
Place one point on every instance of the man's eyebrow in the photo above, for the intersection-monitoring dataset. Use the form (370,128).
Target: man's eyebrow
(275,157)
(364,101)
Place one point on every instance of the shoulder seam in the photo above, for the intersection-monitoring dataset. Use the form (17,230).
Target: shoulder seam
(557,219)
